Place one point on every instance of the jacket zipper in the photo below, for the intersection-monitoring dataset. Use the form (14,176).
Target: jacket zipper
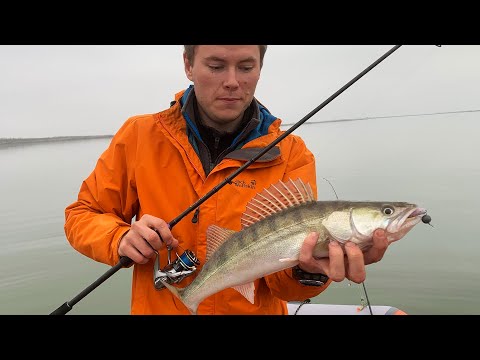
(214,157)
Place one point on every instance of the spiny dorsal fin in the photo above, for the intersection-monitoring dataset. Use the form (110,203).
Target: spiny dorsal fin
(215,237)
(276,198)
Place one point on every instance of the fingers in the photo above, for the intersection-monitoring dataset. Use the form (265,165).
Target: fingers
(135,247)
(165,235)
(338,265)
(380,245)
(306,260)
(357,260)
(356,263)
(145,237)
(337,261)
(345,261)
(157,232)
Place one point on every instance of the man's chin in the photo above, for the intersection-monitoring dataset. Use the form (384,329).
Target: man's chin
(228,117)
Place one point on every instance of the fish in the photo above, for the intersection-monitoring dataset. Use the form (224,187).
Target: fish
(274,225)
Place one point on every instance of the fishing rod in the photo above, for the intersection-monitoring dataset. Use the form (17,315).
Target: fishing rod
(126,261)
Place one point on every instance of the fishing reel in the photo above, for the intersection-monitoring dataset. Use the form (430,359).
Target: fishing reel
(174,272)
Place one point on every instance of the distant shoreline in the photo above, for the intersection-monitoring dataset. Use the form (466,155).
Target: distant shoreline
(6,142)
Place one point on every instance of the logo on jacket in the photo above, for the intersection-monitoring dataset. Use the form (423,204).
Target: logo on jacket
(243,184)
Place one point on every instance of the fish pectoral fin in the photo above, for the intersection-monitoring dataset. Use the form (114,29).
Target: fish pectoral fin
(288,260)
(247,290)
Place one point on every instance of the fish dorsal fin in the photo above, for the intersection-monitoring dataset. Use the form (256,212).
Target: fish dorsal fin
(247,290)
(276,198)
(215,237)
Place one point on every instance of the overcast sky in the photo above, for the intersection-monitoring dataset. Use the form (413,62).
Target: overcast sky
(66,90)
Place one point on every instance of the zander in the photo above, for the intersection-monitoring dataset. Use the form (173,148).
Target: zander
(274,226)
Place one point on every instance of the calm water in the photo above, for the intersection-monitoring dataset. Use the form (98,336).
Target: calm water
(430,160)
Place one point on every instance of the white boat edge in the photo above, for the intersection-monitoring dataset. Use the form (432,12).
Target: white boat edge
(336,309)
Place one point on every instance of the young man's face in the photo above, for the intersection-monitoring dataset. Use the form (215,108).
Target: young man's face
(225,78)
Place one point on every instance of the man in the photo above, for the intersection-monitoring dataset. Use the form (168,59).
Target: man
(157,165)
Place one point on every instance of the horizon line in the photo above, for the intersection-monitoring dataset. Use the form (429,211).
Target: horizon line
(11,142)
(54,137)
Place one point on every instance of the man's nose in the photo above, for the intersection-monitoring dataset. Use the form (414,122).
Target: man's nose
(231,81)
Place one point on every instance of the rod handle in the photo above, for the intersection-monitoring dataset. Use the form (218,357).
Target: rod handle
(125,261)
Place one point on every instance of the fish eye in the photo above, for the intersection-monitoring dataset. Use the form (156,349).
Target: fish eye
(388,210)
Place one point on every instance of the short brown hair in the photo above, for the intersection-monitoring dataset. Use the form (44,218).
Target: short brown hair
(190,52)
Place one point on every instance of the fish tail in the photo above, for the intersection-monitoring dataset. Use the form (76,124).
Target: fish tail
(178,294)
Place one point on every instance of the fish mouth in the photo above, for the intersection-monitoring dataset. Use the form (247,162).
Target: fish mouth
(404,222)
(417,212)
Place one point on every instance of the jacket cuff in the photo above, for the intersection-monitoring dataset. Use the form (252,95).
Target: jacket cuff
(121,232)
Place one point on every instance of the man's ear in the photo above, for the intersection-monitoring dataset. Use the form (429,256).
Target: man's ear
(188,67)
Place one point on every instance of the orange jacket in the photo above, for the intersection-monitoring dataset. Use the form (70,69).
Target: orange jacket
(150,167)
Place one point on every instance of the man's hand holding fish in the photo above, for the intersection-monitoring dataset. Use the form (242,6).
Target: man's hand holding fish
(342,263)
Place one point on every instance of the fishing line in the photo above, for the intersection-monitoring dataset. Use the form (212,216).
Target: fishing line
(363,282)
(127,262)
(332,187)
(306,301)
(366,295)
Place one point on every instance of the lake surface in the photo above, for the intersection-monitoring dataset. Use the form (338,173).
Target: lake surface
(430,160)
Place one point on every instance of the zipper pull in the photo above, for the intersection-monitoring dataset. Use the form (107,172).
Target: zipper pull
(195,215)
